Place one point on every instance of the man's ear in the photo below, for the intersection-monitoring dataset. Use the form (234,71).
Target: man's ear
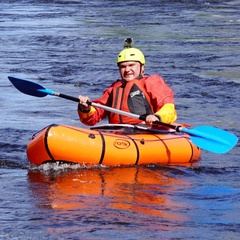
(142,69)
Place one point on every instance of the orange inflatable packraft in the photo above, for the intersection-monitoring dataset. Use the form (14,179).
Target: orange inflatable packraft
(111,145)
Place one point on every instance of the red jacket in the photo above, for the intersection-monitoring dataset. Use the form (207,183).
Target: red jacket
(143,97)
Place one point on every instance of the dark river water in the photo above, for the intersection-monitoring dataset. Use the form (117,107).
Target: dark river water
(71,47)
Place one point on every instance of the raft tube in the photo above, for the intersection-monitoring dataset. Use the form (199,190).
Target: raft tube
(111,145)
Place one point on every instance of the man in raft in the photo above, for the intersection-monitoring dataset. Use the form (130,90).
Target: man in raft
(134,92)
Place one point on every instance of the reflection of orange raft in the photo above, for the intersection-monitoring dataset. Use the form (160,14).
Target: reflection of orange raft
(111,145)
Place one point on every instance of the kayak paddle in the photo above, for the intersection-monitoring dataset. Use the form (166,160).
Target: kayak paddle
(206,137)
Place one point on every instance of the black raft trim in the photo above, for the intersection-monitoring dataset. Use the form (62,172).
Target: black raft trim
(46,141)
(103,148)
(137,148)
(191,145)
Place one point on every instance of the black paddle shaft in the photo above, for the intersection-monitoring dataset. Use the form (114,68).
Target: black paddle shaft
(67,97)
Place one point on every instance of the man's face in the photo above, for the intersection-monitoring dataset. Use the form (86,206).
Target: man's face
(130,70)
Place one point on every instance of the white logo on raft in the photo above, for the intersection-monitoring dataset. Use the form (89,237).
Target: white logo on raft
(121,143)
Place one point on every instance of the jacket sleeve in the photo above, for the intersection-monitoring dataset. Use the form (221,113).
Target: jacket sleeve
(167,113)
(162,98)
(96,115)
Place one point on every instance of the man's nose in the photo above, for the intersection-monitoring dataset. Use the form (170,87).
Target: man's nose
(127,68)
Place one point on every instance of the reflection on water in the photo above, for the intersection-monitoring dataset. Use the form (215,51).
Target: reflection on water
(84,195)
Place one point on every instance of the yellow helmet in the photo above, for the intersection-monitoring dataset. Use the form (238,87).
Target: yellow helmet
(131,54)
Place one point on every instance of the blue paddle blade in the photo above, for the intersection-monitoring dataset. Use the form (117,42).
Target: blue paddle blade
(212,139)
(30,88)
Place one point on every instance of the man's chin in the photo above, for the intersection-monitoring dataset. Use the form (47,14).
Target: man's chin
(127,79)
